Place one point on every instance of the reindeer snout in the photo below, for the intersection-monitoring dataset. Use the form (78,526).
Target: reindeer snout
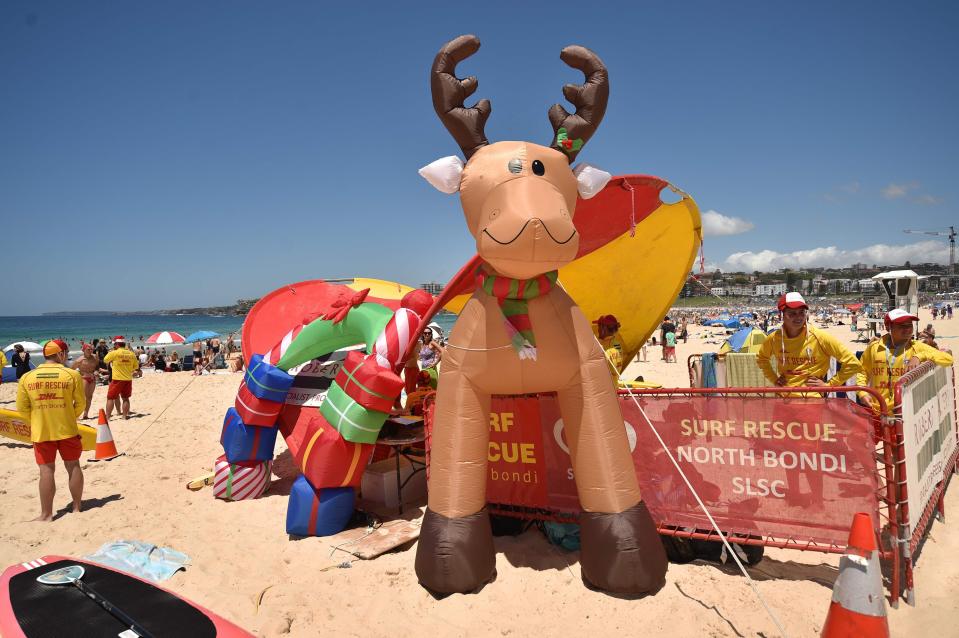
(527,228)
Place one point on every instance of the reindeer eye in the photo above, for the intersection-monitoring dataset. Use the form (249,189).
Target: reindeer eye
(538,168)
(515,165)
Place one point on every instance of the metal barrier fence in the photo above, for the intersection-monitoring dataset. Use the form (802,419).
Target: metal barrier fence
(883,457)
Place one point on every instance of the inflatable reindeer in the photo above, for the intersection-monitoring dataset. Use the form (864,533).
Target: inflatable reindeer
(520,334)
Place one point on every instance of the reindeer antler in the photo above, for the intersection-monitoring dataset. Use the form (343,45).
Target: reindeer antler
(589,99)
(464,124)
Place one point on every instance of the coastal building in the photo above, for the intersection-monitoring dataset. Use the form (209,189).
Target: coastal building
(770,290)
(432,287)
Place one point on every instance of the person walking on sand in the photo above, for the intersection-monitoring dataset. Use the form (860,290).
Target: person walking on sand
(885,360)
(51,397)
(802,352)
(122,364)
(87,367)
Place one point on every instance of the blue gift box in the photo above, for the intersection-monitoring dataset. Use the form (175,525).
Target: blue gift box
(313,512)
(267,381)
(242,442)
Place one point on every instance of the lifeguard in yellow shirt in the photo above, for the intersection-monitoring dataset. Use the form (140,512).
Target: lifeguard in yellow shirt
(123,363)
(887,359)
(51,397)
(801,353)
(612,343)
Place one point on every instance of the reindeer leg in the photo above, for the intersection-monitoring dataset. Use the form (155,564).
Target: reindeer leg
(621,550)
(455,550)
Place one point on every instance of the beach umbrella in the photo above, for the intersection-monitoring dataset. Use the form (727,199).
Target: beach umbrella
(165,338)
(202,335)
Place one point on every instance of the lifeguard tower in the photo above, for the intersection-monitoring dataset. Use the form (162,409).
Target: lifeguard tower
(902,289)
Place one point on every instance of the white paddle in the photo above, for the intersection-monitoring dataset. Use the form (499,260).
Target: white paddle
(71,575)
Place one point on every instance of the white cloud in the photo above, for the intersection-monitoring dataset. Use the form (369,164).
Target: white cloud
(831,256)
(716,224)
(852,188)
(895,191)
(929,200)
(842,192)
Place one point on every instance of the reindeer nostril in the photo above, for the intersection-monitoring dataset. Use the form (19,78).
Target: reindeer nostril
(493,214)
(564,213)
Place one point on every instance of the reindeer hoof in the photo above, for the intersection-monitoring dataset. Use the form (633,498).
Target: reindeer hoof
(455,555)
(622,553)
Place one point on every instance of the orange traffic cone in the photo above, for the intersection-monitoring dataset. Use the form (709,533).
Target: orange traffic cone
(106,449)
(858,605)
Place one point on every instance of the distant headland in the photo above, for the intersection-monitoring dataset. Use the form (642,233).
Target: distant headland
(240,308)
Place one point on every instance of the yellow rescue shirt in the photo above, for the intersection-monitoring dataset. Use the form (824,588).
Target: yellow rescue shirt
(51,398)
(883,367)
(613,349)
(804,357)
(123,362)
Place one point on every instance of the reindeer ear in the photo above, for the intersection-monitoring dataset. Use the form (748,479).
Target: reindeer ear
(590,180)
(444,174)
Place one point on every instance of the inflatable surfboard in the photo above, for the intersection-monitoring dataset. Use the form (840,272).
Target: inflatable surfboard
(14,426)
(29,609)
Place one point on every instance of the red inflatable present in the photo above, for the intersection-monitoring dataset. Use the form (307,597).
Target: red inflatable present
(240,481)
(326,458)
(254,410)
(368,384)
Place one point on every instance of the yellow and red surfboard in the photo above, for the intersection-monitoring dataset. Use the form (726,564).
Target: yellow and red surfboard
(14,426)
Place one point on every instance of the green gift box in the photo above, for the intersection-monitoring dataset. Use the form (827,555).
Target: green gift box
(355,423)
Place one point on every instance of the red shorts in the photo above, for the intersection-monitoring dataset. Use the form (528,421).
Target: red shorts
(46,451)
(120,389)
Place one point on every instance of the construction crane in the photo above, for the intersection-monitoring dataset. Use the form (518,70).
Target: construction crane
(951,234)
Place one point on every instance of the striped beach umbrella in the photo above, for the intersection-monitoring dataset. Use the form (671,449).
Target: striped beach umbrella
(165,338)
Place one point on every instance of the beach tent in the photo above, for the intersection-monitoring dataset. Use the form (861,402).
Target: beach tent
(746,340)
(35,350)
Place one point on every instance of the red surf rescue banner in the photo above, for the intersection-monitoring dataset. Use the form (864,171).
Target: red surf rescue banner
(766,466)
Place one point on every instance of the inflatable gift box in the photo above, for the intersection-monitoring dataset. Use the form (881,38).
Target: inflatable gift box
(267,381)
(240,481)
(327,459)
(242,442)
(367,383)
(254,410)
(356,423)
(322,512)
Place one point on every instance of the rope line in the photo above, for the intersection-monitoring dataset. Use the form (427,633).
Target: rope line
(172,401)
(702,506)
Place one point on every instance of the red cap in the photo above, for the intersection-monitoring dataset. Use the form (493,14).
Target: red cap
(54,346)
(791,300)
(119,339)
(607,320)
(898,315)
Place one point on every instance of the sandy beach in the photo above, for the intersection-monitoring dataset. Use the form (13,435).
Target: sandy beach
(245,568)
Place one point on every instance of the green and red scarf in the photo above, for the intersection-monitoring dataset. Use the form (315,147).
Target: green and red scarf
(513,297)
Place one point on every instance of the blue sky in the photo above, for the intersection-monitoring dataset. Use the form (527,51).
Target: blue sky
(186,153)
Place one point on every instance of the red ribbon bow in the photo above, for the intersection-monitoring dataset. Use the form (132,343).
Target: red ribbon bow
(341,307)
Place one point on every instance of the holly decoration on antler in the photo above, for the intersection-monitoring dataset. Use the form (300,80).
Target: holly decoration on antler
(565,144)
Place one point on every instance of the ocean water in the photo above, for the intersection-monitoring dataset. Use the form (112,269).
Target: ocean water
(76,328)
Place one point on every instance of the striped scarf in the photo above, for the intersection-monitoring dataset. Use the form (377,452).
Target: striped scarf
(513,297)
